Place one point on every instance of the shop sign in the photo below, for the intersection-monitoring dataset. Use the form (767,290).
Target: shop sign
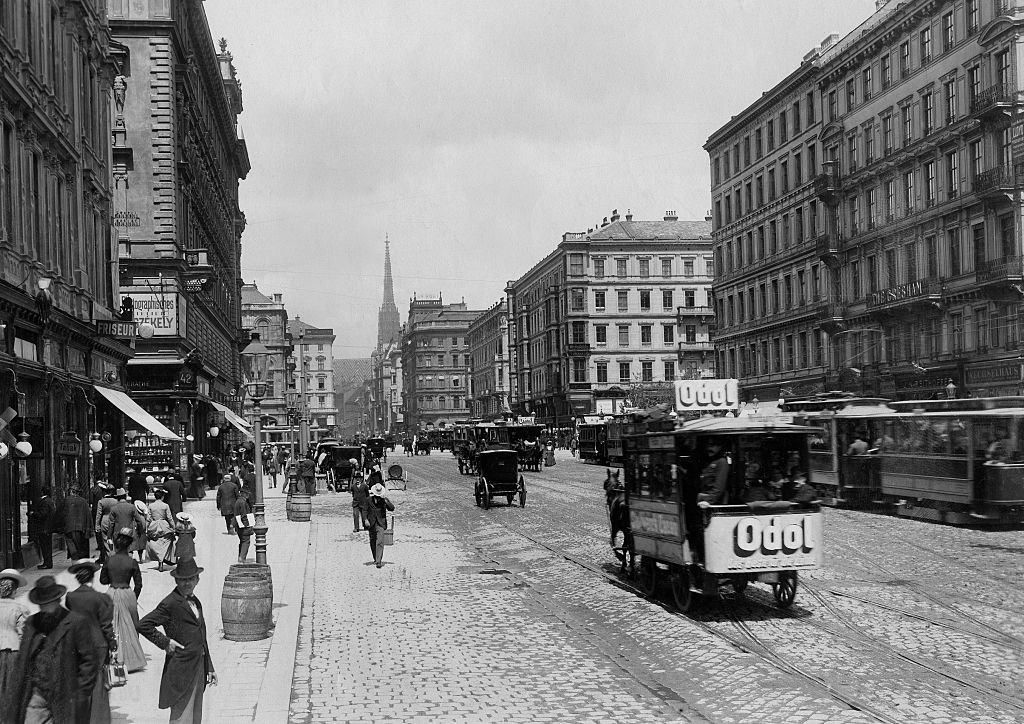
(1009,372)
(915,381)
(708,394)
(115,328)
(764,542)
(653,523)
(910,290)
(526,419)
(70,446)
(160,310)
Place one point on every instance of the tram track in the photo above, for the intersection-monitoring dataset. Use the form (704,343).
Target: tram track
(739,634)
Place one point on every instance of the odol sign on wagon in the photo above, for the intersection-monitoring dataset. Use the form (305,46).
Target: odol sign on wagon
(755,526)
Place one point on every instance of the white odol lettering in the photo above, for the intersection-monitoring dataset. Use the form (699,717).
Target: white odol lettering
(792,538)
(702,396)
(771,538)
(747,536)
(685,395)
(807,527)
(718,396)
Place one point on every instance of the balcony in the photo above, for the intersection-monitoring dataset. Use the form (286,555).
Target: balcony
(831,316)
(698,347)
(826,247)
(995,101)
(578,386)
(1000,272)
(999,181)
(921,293)
(579,348)
(826,184)
(704,313)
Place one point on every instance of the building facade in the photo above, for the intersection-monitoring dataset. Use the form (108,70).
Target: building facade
(350,377)
(600,317)
(917,235)
(177,159)
(435,364)
(58,288)
(268,317)
(313,358)
(487,339)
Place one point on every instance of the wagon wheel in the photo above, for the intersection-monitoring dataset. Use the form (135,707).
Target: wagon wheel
(785,589)
(648,578)
(522,492)
(685,597)
(485,494)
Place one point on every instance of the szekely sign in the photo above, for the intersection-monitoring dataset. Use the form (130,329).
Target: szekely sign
(160,310)
(707,394)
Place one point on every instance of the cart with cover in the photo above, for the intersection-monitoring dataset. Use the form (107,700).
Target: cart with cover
(345,471)
(721,502)
(499,477)
(378,448)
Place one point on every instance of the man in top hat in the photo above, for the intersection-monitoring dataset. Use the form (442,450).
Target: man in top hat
(188,668)
(57,664)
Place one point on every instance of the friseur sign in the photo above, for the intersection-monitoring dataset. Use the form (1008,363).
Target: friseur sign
(115,328)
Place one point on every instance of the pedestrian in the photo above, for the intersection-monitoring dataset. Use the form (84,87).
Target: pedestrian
(13,615)
(307,474)
(188,668)
(714,478)
(160,531)
(360,499)
(43,520)
(272,472)
(118,572)
(101,522)
(185,544)
(377,521)
(122,515)
(212,471)
(249,482)
(197,478)
(99,609)
(57,663)
(138,485)
(76,523)
(242,509)
(96,493)
(175,488)
(138,547)
(227,493)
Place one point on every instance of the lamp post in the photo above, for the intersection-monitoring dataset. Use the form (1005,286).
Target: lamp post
(255,356)
(303,401)
(291,401)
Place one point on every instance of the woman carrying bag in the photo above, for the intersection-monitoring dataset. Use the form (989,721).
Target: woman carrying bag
(377,521)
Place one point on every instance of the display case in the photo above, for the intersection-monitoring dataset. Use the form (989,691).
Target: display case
(147,452)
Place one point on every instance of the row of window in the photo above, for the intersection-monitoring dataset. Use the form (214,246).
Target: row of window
(937,256)
(772,296)
(667,368)
(428,360)
(440,402)
(577,300)
(860,88)
(789,173)
(429,381)
(668,334)
(441,341)
(779,354)
(778,234)
(577,266)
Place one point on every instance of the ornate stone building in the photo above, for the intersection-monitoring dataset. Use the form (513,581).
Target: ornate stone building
(58,289)
(269,318)
(489,369)
(313,358)
(178,157)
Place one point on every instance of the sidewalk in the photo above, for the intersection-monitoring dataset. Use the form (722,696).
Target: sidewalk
(255,676)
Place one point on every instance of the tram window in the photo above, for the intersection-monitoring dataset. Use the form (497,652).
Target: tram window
(822,440)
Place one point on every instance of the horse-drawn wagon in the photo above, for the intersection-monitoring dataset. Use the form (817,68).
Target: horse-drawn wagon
(499,477)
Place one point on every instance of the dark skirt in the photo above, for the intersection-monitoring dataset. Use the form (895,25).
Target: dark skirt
(8,664)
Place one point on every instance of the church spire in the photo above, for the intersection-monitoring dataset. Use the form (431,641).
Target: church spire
(389,324)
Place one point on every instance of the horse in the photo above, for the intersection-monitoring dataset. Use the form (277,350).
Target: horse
(618,515)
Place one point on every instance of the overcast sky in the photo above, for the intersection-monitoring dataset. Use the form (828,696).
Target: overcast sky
(475,133)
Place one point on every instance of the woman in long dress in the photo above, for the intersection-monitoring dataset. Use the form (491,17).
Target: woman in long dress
(139,540)
(185,547)
(160,531)
(12,621)
(87,602)
(118,572)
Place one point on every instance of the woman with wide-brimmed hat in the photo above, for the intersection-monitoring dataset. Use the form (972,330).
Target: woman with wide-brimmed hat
(99,609)
(185,545)
(12,622)
(118,572)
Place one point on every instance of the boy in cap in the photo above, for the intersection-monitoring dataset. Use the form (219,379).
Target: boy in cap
(377,520)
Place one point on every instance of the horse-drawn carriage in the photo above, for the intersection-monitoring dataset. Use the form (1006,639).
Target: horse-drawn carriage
(499,477)
(377,447)
(422,445)
(335,461)
(757,519)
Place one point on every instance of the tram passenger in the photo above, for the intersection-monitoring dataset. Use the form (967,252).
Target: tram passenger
(714,478)
(799,489)
(999,451)
(858,447)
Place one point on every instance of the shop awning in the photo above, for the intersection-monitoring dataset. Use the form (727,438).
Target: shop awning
(131,408)
(243,427)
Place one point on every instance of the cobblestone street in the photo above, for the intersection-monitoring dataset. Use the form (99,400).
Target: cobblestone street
(517,614)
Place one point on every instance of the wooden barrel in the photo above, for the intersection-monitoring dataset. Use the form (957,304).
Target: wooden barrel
(245,606)
(260,569)
(288,505)
(301,508)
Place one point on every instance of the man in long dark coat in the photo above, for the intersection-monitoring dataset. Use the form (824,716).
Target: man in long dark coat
(57,663)
(175,488)
(227,494)
(44,518)
(188,668)
(138,487)
(77,522)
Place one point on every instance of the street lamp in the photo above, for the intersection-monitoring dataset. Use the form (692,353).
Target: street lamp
(291,401)
(255,357)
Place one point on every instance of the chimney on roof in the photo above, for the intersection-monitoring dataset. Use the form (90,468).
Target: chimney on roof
(277,297)
(605,222)
(671,216)
(629,216)
(829,41)
(615,215)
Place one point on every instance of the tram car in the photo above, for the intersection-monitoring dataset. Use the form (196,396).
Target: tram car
(957,461)
(614,430)
(593,442)
(758,532)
